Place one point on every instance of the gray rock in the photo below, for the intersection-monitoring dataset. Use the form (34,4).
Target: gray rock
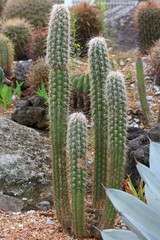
(50,222)
(44,205)
(120,28)
(8,203)
(25,170)
(138,150)
(32,112)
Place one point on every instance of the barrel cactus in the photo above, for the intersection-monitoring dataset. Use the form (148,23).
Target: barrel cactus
(147,18)
(35,11)
(19,32)
(7,54)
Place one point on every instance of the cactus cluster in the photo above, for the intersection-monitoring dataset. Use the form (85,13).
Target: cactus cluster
(19,32)
(147,18)
(6,54)
(72,198)
(35,11)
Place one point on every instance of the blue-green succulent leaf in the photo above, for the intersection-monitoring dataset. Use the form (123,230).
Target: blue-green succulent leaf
(155,158)
(111,234)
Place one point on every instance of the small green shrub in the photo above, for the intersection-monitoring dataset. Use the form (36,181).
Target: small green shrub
(89,23)
(42,91)
(5,95)
(19,32)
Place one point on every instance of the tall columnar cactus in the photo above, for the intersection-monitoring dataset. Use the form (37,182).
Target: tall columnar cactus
(6,54)
(99,67)
(116,109)
(76,145)
(1,76)
(142,90)
(57,57)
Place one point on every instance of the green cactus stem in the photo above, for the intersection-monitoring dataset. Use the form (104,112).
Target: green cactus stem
(99,67)
(116,108)
(76,146)
(57,57)
(1,76)
(142,90)
(6,54)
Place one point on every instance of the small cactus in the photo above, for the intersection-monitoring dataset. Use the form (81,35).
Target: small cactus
(116,109)
(57,58)
(19,32)
(147,17)
(76,146)
(6,54)
(99,68)
(142,90)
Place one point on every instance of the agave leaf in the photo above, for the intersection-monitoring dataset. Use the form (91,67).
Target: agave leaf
(141,231)
(150,179)
(155,158)
(111,234)
(152,200)
(144,216)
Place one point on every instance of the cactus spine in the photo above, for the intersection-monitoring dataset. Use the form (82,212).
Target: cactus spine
(57,57)
(142,90)
(99,67)
(116,109)
(76,145)
(6,54)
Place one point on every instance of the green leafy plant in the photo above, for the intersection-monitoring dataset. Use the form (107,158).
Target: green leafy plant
(142,90)
(139,192)
(5,95)
(42,91)
(17,89)
(142,219)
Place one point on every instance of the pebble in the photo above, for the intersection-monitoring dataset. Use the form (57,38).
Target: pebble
(129,118)
(31,211)
(135,125)
(24,199)
(149,98)
(16,213)
(157,93)
(138,104)
(49,222)
(20,225)
(132,85)
(133,64)
(121,63)
(136,120)
(128,59)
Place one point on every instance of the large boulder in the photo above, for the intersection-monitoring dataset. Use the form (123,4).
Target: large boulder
(32,112)
(25,167)
(138,150)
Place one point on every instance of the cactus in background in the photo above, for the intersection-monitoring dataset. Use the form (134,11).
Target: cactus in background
(76,146)
(142,90)
(80,90)
(34,11)
(116,109)
(1,76)
(19,32)
(57,57)
(155,61)
(99,67)
(6,54)
(147,18)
